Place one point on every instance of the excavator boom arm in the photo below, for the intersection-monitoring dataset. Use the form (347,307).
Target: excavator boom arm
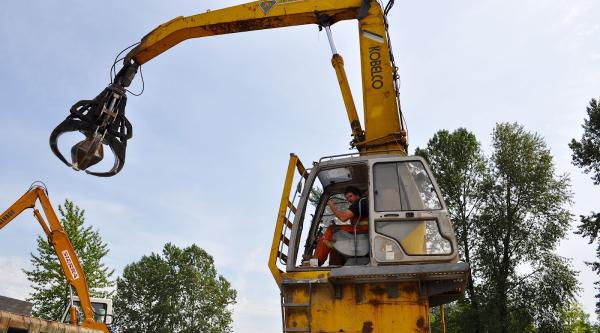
(256,15)
(383,124)
(102,120)
(59,240)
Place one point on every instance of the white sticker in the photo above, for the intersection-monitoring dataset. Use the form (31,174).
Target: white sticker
(389,256)
(72,269)
(388,248)
(373,36)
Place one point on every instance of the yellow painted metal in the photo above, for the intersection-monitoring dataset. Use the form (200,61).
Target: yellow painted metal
(311,302)
(59,241)
(369,307)
(284,204)
(443,318)
(255,15)
(10,322)
(338,64)
(307,276)
(415,242)
(362,307)
(383,125)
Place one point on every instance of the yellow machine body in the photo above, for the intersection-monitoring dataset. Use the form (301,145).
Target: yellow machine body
(59,240)
(374,297)
(394,286)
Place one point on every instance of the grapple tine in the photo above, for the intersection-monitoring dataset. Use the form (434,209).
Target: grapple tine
(118,150)
(103,122)
(65,126)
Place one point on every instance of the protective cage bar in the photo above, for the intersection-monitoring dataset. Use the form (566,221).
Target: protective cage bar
(284,224)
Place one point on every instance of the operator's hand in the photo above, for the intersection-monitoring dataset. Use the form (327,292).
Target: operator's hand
(330,203)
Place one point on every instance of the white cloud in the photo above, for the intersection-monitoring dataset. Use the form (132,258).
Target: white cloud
(14,281)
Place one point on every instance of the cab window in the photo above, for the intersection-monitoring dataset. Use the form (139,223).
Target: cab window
(402,186)
(328,185)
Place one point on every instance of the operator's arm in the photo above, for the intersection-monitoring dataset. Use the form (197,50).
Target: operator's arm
(343,215)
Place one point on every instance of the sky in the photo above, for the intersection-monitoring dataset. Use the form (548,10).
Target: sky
(220,115)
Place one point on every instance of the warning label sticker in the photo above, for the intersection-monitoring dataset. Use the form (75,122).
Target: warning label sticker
(69,261)
(267,5)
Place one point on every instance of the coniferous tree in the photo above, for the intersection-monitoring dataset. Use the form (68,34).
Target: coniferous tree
(50,289)
(586,155)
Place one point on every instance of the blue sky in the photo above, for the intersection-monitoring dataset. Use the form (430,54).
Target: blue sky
(219,117)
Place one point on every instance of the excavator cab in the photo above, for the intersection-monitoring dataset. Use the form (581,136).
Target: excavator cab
(102,308)
(408,220)
(408,260)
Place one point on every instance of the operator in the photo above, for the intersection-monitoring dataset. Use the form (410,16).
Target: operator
(357,213)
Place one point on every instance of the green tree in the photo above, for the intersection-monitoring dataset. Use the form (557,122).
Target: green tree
(509,215)
(459,167)
(50,289)
(586,155)
(522,223)
(576,320)
(459,317)
(586,152)
(176,292)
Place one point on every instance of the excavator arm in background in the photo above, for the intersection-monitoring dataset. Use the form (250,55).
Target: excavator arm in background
(59,240)
(102,120)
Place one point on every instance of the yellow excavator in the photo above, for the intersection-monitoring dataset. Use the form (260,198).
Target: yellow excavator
(389,277)
(59,240)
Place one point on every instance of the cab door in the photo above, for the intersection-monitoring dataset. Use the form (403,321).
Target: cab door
(409,220)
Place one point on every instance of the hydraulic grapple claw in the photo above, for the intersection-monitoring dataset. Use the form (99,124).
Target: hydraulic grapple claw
(103,122)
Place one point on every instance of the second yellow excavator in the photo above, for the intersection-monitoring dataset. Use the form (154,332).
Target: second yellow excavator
(69,261)
(387,277)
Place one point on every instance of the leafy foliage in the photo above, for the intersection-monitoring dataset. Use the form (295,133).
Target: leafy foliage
(315,196)
(459,167)
(459,317)
(586,152)
(586,155)
(577,321)
(51,290)
(178,291)
(522,223)
(509,214)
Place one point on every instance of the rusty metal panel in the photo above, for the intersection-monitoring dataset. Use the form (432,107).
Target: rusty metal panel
(364,307)
(35,325)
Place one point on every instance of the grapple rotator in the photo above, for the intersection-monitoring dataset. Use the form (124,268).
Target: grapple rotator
(102,120)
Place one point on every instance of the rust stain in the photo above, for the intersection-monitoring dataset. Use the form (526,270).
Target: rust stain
(378,290)
(244,25)
(420,322)
(359,293)
(408,290)
(367,327)
(375,302)
(392,290)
